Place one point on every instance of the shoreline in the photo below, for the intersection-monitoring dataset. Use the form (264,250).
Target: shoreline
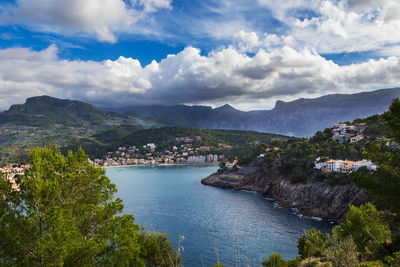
(327,202)
(163,164)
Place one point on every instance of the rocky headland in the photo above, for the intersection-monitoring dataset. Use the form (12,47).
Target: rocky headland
(314,199)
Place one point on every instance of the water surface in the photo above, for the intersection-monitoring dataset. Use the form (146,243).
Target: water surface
(239,228)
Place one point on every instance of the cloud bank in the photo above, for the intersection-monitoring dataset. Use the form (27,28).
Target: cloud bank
(225,75)
(258,64)
(103,18)
(328,26)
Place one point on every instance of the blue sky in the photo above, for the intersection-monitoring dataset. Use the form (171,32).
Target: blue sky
(246,53)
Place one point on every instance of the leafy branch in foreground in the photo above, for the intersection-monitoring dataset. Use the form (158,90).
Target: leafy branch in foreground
(65,213)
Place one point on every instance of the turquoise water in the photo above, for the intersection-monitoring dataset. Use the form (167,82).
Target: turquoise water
(236,227)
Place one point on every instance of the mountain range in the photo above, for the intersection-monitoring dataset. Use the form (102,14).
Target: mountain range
(302,117)
(45,120)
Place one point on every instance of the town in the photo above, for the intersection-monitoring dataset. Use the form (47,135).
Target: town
(343,166)
(344,133)
(12,172)
(183,152)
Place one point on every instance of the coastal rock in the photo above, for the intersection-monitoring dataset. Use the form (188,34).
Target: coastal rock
(315,199)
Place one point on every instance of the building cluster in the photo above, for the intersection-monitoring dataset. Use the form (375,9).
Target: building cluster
(344,133)
(11,171)
(262,155)
(183,152)
(187,139)
(343,166)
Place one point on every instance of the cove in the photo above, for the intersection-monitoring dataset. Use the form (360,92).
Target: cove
(238,228)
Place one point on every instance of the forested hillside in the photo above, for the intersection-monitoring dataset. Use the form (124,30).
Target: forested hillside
(46,120)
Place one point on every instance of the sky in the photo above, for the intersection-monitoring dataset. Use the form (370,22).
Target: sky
(248,53)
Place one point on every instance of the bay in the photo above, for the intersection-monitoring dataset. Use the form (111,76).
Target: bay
(235,227)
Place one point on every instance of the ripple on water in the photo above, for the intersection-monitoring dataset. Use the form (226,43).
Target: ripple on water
(241,225)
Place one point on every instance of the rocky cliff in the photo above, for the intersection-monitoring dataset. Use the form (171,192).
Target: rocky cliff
(317,199)
(301,117)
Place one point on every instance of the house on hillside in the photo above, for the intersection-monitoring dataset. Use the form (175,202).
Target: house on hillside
(343,166)
(360,127)
(356,138)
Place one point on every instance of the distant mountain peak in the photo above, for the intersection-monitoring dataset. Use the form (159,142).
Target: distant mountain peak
(226,107)
(279,103)
(38,98)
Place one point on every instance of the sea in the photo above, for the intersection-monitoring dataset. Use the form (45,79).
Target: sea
(210,225)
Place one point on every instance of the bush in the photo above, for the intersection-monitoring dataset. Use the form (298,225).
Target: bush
(367,226)
(275,260)
(343,253)
(294,262)
(313,244)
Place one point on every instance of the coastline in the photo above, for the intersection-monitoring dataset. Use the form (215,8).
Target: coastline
(327,202)
(163,164)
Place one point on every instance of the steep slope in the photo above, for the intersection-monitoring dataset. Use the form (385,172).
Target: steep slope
(302,117)
(46,110)
(287,174)
(45,120)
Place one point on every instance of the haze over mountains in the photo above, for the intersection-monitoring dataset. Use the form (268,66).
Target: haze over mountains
(44,120)
(302,117)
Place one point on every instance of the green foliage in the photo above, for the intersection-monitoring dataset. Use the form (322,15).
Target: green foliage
(295,158)
(69,124)
(218,265)
(248,155)
(109,136)
(360,238)
(313,243)
(294,262)
(383,185)
(342,252)
(392,120)
(376,126)
(373,264)
(65,214)
(222,167)
(157,250)
(367,226)
(393,260)
(224,141)
(275,260)
(45,110)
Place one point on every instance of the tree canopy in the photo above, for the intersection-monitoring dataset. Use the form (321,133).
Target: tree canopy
(65,213)
(383,185)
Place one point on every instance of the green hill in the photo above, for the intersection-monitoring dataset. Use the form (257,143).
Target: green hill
(45,120)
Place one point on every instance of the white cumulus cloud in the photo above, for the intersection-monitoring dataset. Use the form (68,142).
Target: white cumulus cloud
(225,75)
(331,26)
(103,18)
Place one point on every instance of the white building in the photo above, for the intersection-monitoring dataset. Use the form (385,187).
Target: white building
(366,163)
(336,166)
(320,165)
(152,146)
(356,138)
(215,157)
(196,159)
(340,126)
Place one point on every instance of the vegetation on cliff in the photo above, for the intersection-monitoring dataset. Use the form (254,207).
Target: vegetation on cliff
(295,158)
(72,124)
(369,237)
(46,120)
(383,185)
